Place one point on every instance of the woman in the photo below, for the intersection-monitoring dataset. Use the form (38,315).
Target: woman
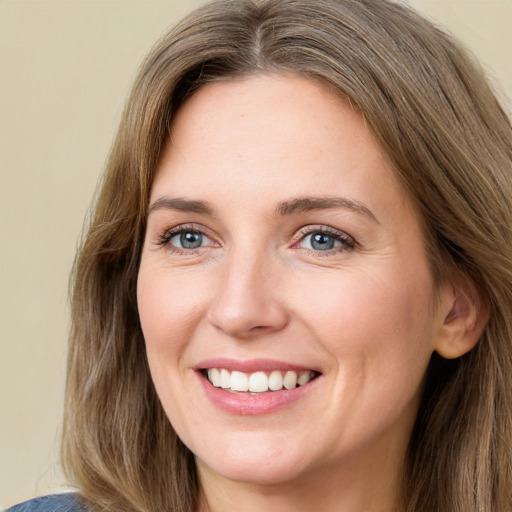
(296,287)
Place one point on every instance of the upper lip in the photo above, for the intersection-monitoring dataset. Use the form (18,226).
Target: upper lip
(252,365)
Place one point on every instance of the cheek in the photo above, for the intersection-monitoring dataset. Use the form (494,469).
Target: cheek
(379,331)
(169,317)
(355,301)
(169,307)
(376,325)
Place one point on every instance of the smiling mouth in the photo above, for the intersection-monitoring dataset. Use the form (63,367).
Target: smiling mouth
(258,382)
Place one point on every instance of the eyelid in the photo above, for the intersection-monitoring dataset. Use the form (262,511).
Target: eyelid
(348,242)
(164,237)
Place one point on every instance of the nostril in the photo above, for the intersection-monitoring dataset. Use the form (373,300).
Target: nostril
(247,323)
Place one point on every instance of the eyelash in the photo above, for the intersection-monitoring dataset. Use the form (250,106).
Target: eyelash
(347,243)
(165,238)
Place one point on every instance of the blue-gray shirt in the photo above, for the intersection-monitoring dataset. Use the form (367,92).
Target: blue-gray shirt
(68,502)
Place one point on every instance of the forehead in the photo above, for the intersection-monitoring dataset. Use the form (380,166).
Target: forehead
(267,107)
(269,124)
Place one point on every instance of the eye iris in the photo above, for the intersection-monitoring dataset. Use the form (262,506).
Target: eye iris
(322,242)
(191,240)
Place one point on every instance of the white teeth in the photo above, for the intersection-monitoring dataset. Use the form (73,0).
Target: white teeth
(290,380)
(225,379)
(214,376)
(304,378)
(275,381)
(258,382)
(239,381)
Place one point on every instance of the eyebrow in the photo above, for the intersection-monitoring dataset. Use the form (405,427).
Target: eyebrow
(304,204)
(182,205)
(296,205)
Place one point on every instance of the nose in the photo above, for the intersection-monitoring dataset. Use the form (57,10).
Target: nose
(247,304)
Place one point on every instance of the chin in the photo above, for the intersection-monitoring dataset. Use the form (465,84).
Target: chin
(257,465)
(261,474)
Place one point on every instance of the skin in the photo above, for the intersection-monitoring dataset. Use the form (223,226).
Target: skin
(366,314)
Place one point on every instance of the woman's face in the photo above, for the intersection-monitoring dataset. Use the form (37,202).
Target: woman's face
(280,246)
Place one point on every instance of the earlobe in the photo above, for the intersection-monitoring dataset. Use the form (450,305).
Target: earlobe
(465,314)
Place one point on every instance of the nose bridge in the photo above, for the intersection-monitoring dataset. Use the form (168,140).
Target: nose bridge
(247,302)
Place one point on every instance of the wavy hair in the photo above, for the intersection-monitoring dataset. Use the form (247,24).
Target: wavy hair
(450,141)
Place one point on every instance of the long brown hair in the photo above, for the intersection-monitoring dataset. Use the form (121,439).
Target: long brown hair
(430,105)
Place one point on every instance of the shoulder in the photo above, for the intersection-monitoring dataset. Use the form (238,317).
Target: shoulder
(68,502)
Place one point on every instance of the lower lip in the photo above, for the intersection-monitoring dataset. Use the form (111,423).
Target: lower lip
(251,405)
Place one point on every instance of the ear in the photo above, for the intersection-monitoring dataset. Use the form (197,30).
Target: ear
(464,316)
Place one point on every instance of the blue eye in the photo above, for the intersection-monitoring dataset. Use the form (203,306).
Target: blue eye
(323,241)
(183,239)
(188,239)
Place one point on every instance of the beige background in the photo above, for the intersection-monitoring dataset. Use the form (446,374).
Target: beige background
(65,69)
